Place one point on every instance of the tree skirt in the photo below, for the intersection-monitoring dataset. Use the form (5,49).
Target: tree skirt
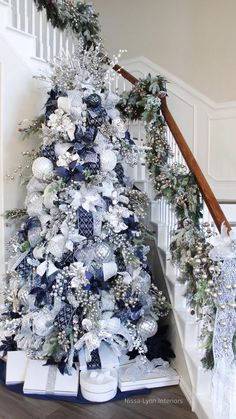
(18,388)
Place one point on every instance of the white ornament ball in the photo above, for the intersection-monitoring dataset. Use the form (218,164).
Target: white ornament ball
(108,160)
(147,327)
(61,148)
(42,167)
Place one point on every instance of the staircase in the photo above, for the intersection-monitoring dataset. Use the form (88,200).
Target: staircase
(26,35)
(195,382)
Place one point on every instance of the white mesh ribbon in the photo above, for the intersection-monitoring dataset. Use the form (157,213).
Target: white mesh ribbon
(16,260)
(224,373)
(140,368)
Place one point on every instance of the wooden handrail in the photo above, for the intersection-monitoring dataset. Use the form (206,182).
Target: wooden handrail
(206,191)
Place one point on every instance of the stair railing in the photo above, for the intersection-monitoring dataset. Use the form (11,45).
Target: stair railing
(207,194)
(49,41)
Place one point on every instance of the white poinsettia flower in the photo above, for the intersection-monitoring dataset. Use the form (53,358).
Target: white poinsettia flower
(66,158)
(96,332)
(56,245)
(70,236)
(87,198)
(116,216)
(60,123)
(77,273)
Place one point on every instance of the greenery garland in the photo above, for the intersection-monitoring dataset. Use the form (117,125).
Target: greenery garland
(75,15)
(172,181)
(189,246)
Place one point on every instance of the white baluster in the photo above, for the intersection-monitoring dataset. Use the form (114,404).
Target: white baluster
(18,15)
(73,48)
(161,210)
(124,85)
(70,45)
(116,83)
(60,42)
(26,17)
(33,18)
(13,13)
(47,42)
(54,42)
(40,37)
(67,46)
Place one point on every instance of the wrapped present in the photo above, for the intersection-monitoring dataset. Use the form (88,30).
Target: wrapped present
(99,385)
(125,360)
(47,379)
(148,374)
(16,367)
(108,359)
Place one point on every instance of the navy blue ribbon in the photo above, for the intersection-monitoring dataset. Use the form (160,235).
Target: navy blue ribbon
(31,222)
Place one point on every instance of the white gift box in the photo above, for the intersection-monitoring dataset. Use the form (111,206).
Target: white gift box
(160,377)
(125,360)
(107,356)
(99,385)
(16,367)
(47,379)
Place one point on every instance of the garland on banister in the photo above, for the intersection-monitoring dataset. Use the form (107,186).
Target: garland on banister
(173,181)
(74,15)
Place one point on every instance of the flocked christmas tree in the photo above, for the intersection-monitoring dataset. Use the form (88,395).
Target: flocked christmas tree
(78,272)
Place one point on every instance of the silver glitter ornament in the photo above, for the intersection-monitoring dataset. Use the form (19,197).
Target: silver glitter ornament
(147,327)
(42,167)
(103,253)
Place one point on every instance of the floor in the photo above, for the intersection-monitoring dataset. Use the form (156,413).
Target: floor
(162,403)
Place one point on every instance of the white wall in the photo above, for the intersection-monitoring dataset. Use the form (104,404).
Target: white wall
(21,97)
(193,39)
